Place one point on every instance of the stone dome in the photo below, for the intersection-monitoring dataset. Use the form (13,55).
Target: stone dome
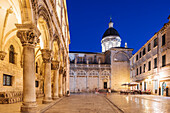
(110,32)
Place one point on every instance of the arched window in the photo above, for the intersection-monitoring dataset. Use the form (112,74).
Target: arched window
(105,73)
(36,67)
(81,73)
(11,54)
(93,73)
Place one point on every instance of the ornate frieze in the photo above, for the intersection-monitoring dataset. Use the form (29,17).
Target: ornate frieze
(46,55)
(2,55)
(55,65)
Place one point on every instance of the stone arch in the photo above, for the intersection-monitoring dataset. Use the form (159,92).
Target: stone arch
(44,37)
(81,73)
(93,73)
(105,73)
(72,73)
(55,47)
(10,11)
(121,56)
(45,27)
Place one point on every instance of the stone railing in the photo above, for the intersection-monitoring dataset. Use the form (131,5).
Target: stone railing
(90,65)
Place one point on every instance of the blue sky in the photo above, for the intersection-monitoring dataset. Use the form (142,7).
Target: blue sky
(135,20)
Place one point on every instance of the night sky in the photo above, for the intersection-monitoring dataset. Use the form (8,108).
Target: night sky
(135,20)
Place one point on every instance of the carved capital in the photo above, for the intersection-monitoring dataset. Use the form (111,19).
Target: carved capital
(2,55)
(46,55)
(28,34)
(54,65)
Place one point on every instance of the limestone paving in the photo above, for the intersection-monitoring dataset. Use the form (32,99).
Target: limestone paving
(141,103)
(83,103)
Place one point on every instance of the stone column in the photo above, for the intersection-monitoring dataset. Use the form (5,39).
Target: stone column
(46,55)
(28,35)
(63,89)
(55,67)
(64,83)
(60,81)
(65,86)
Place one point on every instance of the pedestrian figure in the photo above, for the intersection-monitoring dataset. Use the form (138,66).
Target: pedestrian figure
(107,91)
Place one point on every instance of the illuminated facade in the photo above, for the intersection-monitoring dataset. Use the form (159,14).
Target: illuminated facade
(109,69)
(150,65)
(34,47)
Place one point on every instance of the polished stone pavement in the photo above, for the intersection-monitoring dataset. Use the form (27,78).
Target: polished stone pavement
(141,103)
(83,103)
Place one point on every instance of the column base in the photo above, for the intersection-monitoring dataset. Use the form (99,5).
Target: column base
(29,107)
(55,97)
(60,95)
(46,101)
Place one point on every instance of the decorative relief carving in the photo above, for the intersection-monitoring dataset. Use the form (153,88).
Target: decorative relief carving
(46,55)
(28,34)
(27,37)
(2,55)
(55,65)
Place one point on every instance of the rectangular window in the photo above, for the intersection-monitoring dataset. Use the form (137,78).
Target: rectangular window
(163,60)
(149,65)
(163,40)
(36,83)
(155,63)
(140,69)
(136,57)
(7,80)
(155,42)
(144,66)
(137,71)
(140,54)
(149,47)
(144,51)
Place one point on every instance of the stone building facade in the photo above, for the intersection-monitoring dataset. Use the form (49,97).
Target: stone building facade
(34,49)
(109,69)
(150,65)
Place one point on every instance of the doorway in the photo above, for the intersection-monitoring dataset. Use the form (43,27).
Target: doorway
(105,85)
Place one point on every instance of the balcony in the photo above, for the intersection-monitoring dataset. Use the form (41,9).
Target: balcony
(106,66)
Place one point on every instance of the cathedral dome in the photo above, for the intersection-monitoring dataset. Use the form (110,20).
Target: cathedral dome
(110,32)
